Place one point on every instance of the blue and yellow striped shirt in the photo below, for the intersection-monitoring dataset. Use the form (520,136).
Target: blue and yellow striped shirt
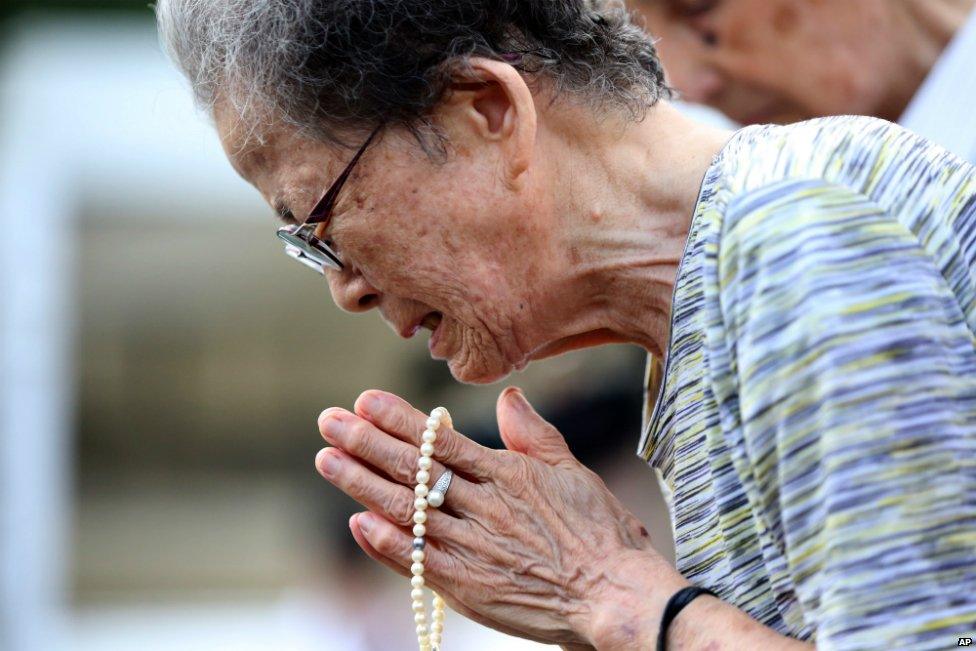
(815,432)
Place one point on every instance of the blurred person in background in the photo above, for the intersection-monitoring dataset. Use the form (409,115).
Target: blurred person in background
(758,61)
(510,176)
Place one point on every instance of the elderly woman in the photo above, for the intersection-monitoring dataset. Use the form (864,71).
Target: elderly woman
(509,175)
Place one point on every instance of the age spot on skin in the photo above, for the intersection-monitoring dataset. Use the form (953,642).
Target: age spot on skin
(784,19)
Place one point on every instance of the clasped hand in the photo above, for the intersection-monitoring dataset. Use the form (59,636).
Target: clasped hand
(529,541)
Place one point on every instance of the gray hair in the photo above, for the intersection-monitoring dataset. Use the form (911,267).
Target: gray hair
(337,67)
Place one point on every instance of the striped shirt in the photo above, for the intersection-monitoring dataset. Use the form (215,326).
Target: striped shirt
(814,430)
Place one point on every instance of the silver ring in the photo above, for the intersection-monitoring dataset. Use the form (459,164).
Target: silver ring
(439,491)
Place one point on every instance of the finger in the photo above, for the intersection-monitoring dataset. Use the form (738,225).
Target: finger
(360,538)
(396,546)
(523,430)
(396,416)
(393,501)
(396,458)
(389,545)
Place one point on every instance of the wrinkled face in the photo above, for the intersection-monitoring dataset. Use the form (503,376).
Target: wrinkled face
(779,61)
(438,244)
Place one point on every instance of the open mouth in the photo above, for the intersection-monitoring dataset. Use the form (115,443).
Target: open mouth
(431,321)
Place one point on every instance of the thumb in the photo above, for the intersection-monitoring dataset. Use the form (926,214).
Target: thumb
(523,430)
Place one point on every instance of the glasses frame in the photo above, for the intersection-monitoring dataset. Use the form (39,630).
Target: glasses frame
(300,240)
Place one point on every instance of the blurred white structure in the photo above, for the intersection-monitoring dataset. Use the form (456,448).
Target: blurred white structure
(92,115)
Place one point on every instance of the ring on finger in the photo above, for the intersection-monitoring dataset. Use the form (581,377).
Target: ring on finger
(439,490)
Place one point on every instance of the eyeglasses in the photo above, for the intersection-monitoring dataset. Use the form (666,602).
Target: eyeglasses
(300,240)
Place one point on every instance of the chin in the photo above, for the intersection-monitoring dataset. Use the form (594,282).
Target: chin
(474,374)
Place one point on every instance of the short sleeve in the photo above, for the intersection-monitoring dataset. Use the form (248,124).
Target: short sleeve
(853,415)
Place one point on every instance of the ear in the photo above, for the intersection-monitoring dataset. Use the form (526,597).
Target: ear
(492,103)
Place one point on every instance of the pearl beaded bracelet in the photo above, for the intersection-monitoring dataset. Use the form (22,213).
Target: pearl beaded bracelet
(426,640)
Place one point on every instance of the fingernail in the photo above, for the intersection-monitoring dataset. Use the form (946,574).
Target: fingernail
(366,522)
(373,404)
(332,428)
(328,464)
(519,397)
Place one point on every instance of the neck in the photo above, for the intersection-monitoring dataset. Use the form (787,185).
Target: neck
(926,28)
(631,212)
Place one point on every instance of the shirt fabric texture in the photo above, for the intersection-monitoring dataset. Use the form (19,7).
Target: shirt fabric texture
(814,431)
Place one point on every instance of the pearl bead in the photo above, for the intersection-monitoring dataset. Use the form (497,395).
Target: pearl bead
(424,463)
(417,582)
(420,517)
(420,618)
(418,604)
(438,601)
(417,595)
(435,499)
(423,477)
(421,629)
(417,569)
(417,556)
(419,530)
(421,490)
(439,413)
(428,436)
(427,449)
(437,627)
(420,504)
(419,543)
(433,423)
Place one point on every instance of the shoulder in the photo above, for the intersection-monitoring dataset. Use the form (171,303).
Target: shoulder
(806,253)
(881,160)
(786,223)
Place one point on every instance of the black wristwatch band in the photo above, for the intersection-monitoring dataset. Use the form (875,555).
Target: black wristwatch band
(678,600)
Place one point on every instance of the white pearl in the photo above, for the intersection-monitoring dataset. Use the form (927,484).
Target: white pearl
(420,517)
(420,618)
(428,436)
(437,627)
(439,413)
(420,504)
(424,463)
(419,530)
(435,498)
(423,477)
(438,601)
(417,556)
(418,605)
(433,423)
(417,582)
(427,449)
(421,490)
(421,629)
(417,595)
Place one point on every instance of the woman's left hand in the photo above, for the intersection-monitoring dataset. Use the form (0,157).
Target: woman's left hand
(529,541)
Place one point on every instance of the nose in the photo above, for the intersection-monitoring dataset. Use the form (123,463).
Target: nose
(351,292)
